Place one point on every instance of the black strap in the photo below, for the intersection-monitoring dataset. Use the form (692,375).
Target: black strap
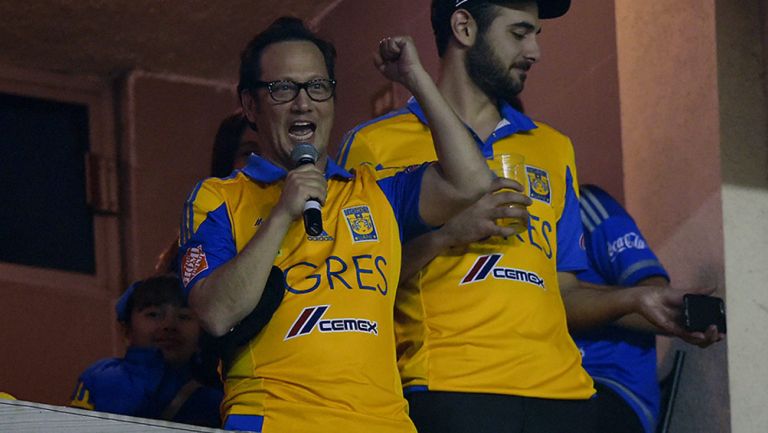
(228,345)
(181,397)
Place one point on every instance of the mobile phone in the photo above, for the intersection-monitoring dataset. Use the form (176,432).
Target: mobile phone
(700,311)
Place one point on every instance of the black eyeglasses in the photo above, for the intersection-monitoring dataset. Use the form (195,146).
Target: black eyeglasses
(319,90)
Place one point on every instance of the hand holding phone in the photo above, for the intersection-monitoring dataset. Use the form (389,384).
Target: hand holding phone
(701,311)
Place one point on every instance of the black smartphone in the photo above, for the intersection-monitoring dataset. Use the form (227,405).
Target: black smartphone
(700,311)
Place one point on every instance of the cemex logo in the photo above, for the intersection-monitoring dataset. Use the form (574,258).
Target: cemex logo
(486,265)
(312,317)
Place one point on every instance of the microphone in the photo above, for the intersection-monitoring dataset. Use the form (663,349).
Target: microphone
(305,153)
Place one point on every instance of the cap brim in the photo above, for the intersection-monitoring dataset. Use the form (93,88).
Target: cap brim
(121,307)
(553,8)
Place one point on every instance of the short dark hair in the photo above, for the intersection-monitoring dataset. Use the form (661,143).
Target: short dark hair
(154,291)
(226,144)
(483,11)
(282,30)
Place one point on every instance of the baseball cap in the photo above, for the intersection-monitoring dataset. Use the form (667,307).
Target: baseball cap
(156,290)
(121,307)
(547,8)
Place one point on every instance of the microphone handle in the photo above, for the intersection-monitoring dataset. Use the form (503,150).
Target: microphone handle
(313,219)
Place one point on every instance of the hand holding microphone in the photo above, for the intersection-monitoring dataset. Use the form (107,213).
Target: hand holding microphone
(303,154)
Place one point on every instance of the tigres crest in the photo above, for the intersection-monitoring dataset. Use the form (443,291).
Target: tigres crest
(538,184)
(361,225)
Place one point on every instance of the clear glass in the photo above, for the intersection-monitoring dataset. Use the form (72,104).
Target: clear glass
(511,166)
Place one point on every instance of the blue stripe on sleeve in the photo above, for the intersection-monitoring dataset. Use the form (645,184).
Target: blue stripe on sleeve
(570,255)
(615,244)
(603,205)
(641,270)
(214,237)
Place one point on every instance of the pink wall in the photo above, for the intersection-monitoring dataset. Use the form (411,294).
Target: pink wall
(53,322)
(575,88)
(49,336)
(671,137)
(170,124)
(53,330)
(355,27)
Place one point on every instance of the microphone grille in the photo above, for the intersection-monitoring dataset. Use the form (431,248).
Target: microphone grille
(302,152)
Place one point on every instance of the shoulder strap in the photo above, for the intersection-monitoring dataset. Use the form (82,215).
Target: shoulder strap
(181,397)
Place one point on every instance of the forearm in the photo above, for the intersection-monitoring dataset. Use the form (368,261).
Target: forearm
(418,252)
(462,166)
(588,306)
(230,292)
(635,321)
(592,305)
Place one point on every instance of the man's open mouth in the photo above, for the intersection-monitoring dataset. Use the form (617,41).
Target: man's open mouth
(301,130)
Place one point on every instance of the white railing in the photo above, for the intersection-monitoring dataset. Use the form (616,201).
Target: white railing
(26,417)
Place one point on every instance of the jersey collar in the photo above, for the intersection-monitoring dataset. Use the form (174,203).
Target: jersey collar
(261,170)
(512,121)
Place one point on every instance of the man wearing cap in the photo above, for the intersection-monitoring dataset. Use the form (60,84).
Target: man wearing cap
(483,343)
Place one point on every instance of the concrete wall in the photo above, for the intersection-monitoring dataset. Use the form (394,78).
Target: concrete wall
(744,153)
(28,417)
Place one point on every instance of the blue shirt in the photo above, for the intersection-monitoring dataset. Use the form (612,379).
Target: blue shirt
(618,255)
(141,384)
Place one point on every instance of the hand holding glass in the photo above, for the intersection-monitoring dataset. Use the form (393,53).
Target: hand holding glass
(510,166)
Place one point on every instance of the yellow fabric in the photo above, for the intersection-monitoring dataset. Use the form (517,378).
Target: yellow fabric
(319,381)
(6,396)
(494,335)
(84,401)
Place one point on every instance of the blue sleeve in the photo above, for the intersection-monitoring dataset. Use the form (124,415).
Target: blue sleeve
(403,191)
(570,254)
(206,235)
(117,386)
(615,245)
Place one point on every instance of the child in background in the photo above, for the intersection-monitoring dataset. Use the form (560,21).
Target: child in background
(157,376)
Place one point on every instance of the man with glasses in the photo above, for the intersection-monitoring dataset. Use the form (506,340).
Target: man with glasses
(325,361)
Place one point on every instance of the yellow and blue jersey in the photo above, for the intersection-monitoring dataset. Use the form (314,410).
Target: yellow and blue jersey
(326,360)
(619,255)
(489,317)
